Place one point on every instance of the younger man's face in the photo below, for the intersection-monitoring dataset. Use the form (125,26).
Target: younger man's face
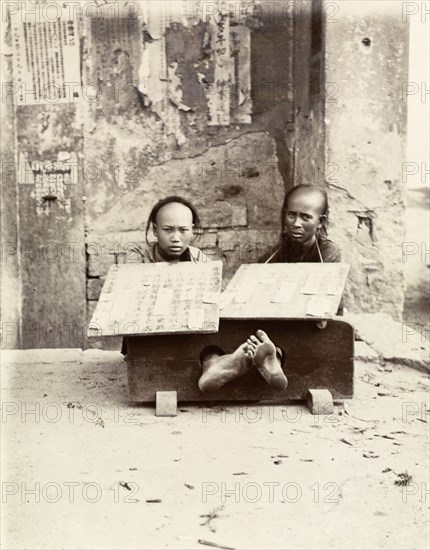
(303,216)
(173,229)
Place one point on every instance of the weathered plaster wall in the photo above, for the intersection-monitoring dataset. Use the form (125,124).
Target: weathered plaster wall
(43,268)
(51,228)
(366,57)
(10,295)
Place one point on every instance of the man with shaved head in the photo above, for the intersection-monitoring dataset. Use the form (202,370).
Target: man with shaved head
(304,218)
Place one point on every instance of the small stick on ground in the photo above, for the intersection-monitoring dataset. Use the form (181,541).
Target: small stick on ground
(210,517)
(214,544)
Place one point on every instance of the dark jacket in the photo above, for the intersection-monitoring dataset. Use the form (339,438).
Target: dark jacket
(292,252)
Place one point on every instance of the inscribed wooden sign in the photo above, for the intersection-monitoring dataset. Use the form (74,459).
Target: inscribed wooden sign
(284,291)
(229,99)
(159,298)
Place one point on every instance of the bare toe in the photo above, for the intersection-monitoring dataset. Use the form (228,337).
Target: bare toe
(262,336)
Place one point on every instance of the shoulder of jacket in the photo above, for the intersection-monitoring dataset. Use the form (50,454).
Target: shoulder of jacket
(144,252)
(330,248)
(197,255)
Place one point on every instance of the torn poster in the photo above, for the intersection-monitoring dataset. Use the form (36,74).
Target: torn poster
(229,97)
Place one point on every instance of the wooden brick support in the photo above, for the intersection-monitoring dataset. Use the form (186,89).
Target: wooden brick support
(166,403)
(320,402)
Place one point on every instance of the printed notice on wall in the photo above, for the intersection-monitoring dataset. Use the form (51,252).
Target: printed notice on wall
(49,179)
(45,60)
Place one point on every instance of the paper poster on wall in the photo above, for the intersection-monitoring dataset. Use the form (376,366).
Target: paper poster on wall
(46,59)
(114,42)
(49,180)
(158,81)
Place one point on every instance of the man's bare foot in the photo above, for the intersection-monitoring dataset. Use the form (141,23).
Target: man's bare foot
(220,369)
(267,360)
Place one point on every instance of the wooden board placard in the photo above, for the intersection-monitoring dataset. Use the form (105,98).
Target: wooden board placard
(159,298)
(284,291)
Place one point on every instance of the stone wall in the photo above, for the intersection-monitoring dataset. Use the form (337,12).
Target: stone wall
(10,296)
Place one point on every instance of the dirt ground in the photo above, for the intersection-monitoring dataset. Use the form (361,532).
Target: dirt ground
(82,468)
